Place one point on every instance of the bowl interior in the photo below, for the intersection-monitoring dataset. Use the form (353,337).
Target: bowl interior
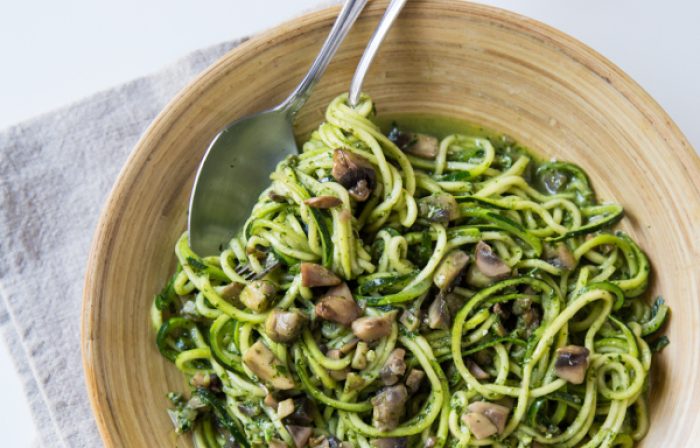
(444,57)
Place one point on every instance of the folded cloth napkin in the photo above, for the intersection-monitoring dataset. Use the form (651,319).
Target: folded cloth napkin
(55,174)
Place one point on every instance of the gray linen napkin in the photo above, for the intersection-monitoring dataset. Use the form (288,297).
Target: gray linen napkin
(55,174)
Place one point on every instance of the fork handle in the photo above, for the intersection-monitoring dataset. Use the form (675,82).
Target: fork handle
(348,14)
(391,13)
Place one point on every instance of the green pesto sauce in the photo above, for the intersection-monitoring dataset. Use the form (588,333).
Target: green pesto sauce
(441,126)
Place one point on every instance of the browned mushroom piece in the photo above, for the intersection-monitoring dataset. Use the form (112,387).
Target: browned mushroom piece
(341,290)
(200,379)
(572,363)
(414,380)
(284,326)
(271,401)
(439,317)
(303,408)
(323,202)
(267,367)
(394,367)
(388,407)
(338,309)
(355,173)
(392,442)
(560,256)
(232,290)
(349,346)
(370,329)
(319,442)
(476,279)
(338,375)
(359,358)
(455,302)
(476,370)
(422,145)
(313,275)
(479,425)
(410,318)
(438,207)
(450,269)
(285,408)
(495,412)
(276,443)
(489,263)
(300,434)
(258,295)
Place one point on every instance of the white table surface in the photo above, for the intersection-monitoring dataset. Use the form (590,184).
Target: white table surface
(56,52)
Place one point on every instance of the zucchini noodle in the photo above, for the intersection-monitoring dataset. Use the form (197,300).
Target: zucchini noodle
(395,289)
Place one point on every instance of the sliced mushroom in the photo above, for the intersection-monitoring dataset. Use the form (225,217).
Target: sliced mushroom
(439,317)
(438,207)
(355,173)
(300,434)
(200,379)
(370,329)
(455,302)
(423,145)
(277,443)
(359,359)
(338,309)
(394,367)
(388,407)
(393,442)
(341,290)
(338,375)
(410,318)
(450,269)
(489,263)
(476,279)
(495,412)
(285,408)
(284,326)
(313,275)
(270,401)
(258,295)
(476,370)
(232,290)
(479,425)
(263,363)
(323,202)
(303,408)
(572,363)
(559,256)
(414,380)
(349,347)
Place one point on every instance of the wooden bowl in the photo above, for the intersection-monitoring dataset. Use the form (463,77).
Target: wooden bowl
(446,57)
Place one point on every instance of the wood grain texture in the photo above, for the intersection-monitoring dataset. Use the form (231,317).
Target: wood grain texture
(445,57)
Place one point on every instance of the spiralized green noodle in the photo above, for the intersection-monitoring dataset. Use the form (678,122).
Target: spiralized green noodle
(570,281)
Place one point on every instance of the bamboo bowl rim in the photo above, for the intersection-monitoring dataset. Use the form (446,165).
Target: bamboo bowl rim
(99,259)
